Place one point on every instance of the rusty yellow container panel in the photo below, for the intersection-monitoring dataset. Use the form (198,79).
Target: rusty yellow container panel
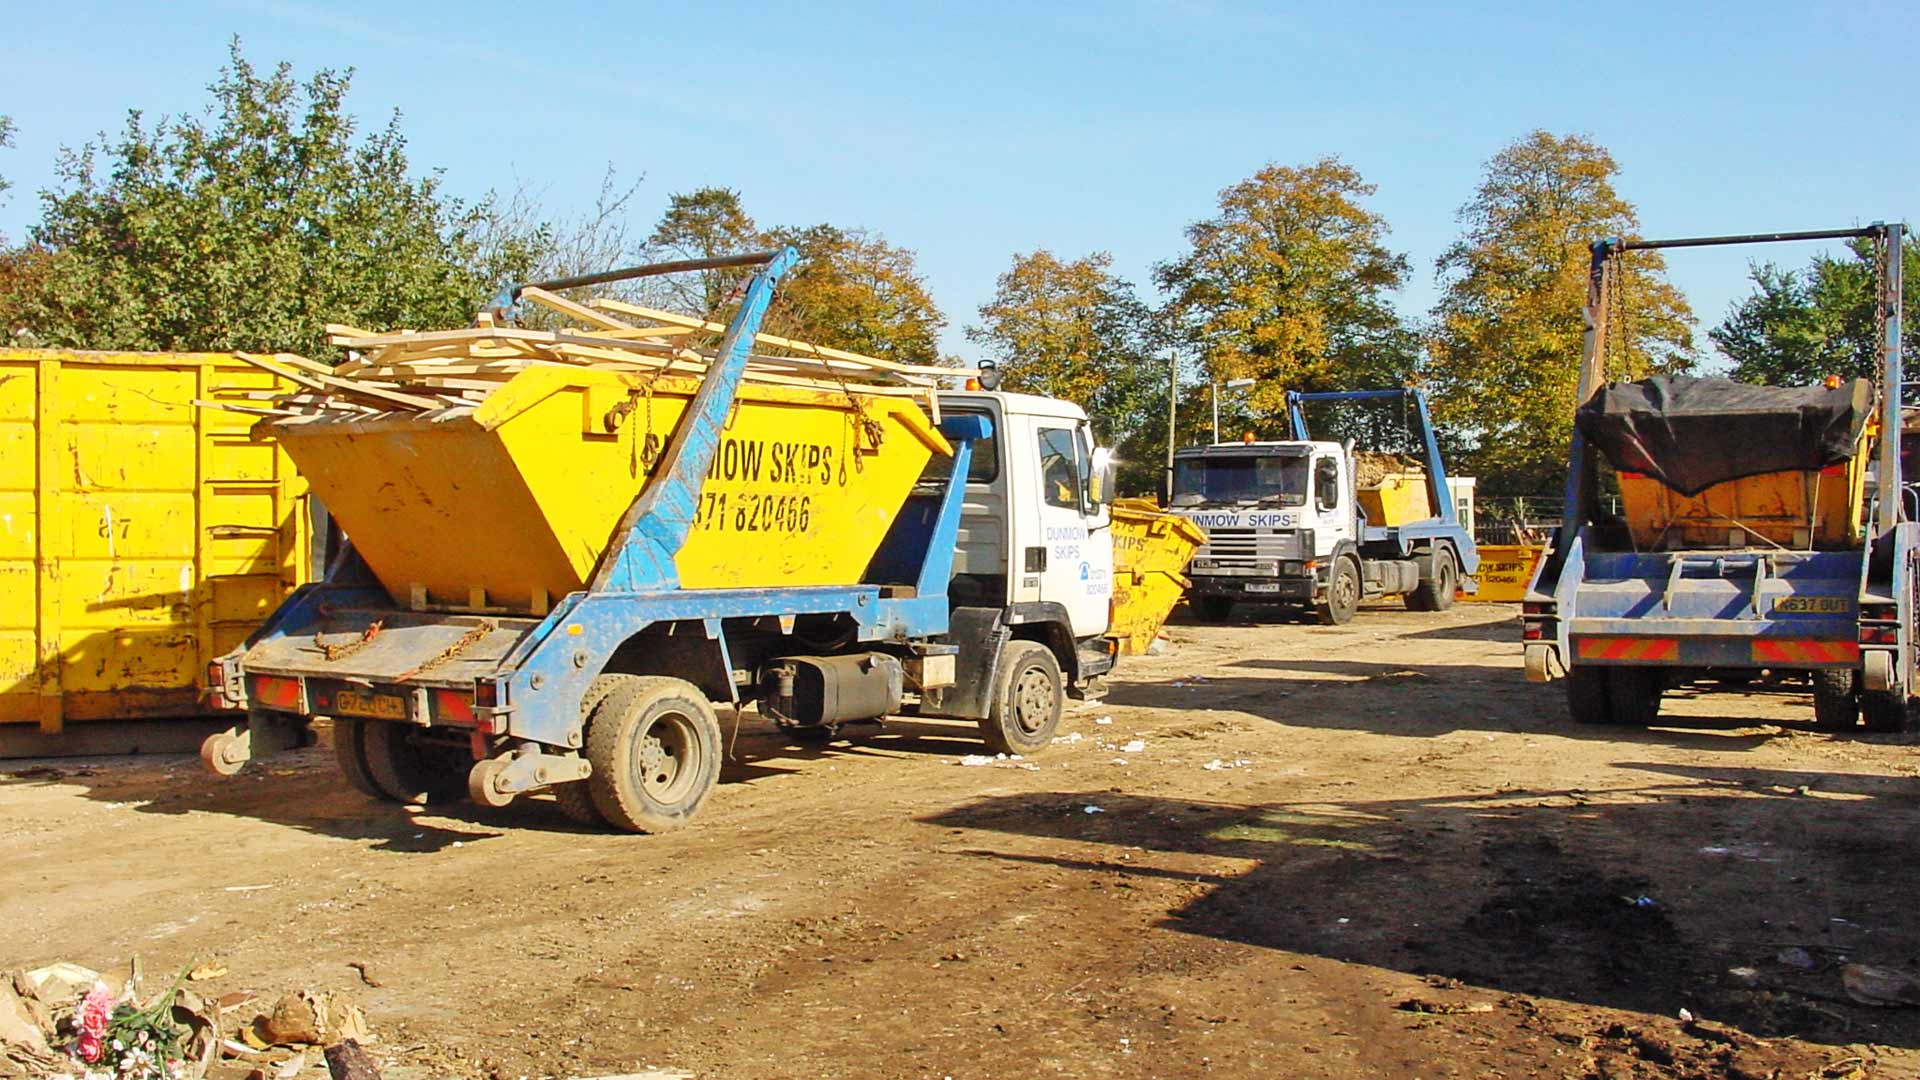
(1399,499)
(1817,510)
(507,505)
(140,536)
(1150,549)
(1505,570)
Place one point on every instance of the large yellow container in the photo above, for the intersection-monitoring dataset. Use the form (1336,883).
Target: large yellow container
(140,536)
(507,506)
(1150,548)
(1399,499)
(1811,510)
(1504,572)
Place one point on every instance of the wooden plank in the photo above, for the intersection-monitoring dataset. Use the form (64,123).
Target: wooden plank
(564,306)
(784,343)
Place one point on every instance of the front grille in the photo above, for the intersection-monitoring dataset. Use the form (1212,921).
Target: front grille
(1246,545)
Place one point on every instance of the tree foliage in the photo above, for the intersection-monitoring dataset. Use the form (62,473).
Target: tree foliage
(252,225)
(852,290)
(1799,326)
(1291,283)
(1505,338)
(1075,330)
(6,142)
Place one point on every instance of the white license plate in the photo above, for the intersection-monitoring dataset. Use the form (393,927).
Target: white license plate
(1263,586)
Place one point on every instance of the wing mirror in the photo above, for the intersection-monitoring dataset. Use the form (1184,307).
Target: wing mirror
(1101,483)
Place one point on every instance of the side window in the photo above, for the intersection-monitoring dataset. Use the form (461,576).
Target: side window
(1060,469)
(1326,484)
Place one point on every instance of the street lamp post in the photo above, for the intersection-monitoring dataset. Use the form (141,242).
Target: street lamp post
(1230,384)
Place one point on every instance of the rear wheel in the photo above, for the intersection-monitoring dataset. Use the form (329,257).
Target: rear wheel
(1213,608)
(574,798)
(1027,699)
(350,750)
(410,772)
(654,745)
(1885,711)
(1587,695)
(1836,704)
(1343,594)
(1633,694)
(1436,593)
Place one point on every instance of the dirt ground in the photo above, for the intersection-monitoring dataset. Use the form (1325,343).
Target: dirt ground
(1278,851)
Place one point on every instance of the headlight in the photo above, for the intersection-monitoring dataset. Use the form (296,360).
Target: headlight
(1267,566)
(1203,564)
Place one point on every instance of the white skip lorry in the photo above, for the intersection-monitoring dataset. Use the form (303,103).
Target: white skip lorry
(1290,522)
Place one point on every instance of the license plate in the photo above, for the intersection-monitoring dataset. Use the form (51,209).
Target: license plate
(1263,586)
(379,706)
(1812,605)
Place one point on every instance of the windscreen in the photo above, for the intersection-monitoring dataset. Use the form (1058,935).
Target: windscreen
(1240,478)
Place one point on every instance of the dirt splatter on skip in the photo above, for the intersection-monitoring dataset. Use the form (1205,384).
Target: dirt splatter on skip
(1407,820)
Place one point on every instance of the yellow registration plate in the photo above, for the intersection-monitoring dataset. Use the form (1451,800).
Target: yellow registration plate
(1812,605)
(380,706)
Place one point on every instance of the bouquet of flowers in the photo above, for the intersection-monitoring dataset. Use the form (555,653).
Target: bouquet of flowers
(114,1039)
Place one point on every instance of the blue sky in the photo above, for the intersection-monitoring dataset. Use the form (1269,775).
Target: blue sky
(971,131)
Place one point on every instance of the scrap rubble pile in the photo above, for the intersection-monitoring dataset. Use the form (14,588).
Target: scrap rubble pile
(64,1020)
(425,371)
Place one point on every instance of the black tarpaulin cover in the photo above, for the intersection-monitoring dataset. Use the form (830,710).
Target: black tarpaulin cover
(1693,433)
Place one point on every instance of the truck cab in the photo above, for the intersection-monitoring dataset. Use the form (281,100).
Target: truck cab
(1034,556)
(1275,513)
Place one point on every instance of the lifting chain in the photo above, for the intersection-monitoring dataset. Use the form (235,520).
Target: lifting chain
(345,649)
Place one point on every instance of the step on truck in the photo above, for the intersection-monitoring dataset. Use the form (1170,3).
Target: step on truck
(1756,534)
(829,557)
(1293,523)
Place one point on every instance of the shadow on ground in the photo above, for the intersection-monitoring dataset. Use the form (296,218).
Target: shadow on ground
(1641,899)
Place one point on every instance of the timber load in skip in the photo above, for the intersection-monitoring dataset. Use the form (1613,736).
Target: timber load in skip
(428,370)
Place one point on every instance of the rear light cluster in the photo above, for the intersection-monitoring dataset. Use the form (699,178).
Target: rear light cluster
(1536,621)
(1879,624)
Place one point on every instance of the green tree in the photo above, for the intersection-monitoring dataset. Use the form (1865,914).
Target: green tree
(704,223)
(1799,326)
(252,225)
(1291,284)
(6,142)
(855,291)
(1075,330)
(1504,342)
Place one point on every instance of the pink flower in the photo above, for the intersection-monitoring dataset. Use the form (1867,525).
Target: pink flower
(89,1047)
(96,1009)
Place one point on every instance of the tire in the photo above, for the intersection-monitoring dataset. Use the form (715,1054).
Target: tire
(1343,594)
(1437,594)
(1836,704)
(408,773)
(654,744)
(1633,695)
(350,750)
(1587,695)
(1213,608)
(1885,711)
(1028,694)
(574,798)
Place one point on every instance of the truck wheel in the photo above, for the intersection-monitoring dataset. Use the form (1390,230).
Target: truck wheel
(409,773)
(1213,608)
(350,750)
(654,744)
(1027,699)
(1836,705)
(1436,594)
(574,798)
(1587,695)
(1343,594)
(1885,711)
(1633,694)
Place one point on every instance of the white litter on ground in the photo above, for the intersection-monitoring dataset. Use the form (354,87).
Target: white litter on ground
(1103,719)
(1070,738)
(1134,747)
(1091,809)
